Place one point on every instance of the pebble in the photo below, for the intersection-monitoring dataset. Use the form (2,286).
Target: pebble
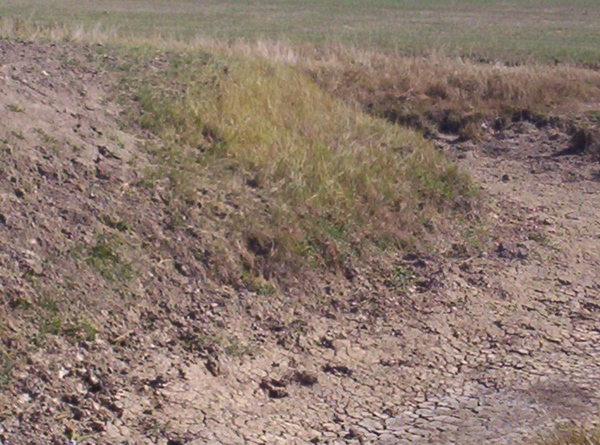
(371,425)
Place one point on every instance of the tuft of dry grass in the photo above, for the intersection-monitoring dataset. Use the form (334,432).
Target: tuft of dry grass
(570,435)
(16,28)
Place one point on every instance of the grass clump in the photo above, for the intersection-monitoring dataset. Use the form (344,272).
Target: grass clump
(82,331)
(340,179)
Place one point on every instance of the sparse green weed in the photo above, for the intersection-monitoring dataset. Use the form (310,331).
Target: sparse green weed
(104,256)
(51,326)
(543,240)
(82,331)
(48,139)
(258,284)
(400,277)
(116,223)
(6,366)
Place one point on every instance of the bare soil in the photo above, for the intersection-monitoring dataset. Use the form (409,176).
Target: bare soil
(450,348)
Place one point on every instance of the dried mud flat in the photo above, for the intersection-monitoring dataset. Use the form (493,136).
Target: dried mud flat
(486,349)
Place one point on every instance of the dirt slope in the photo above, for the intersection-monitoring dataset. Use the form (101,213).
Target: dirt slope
(114,332)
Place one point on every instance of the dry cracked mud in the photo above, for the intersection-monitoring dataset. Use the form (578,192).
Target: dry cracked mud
(487,349)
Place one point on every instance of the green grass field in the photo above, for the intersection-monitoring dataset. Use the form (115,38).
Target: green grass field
(511,30)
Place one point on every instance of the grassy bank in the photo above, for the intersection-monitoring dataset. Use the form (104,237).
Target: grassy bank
(340,179)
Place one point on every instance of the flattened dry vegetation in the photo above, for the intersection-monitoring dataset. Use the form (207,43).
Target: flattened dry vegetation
(437,93)
(569,435)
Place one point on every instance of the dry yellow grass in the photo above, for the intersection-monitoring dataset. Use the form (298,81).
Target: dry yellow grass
(435,92)
(457,95)
(439,93)
(430,92)
(569,435)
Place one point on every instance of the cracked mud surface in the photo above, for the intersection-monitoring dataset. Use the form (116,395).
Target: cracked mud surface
(508,347)
(501,346)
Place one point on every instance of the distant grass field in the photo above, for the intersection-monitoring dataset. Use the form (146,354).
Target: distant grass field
(509,30)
